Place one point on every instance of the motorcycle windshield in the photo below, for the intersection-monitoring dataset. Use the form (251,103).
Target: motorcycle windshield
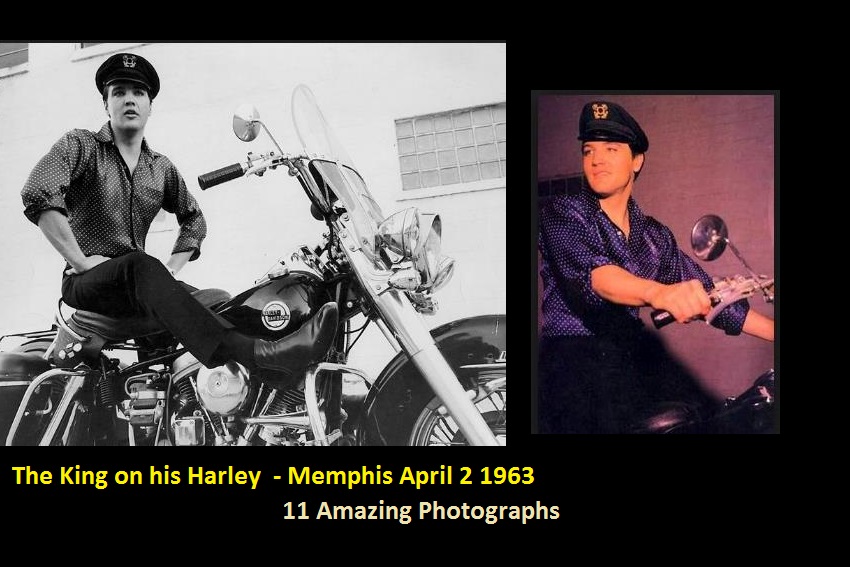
(330,160)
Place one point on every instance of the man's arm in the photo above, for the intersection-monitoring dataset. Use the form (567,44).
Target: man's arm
(55,227)
(683,301)
(193,227)
(178,260)
(758,325)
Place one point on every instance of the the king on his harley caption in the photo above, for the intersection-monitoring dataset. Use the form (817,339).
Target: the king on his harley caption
(303,476)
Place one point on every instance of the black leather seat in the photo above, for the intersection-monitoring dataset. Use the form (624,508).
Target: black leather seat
(668,417)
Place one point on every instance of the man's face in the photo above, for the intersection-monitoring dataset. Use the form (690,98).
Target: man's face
(128,105)
(609,166)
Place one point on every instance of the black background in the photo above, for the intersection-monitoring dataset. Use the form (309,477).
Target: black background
(604,483)
(680,495)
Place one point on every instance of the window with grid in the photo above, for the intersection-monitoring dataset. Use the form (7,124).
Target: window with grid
(548,188)
(458,146)
(12,54)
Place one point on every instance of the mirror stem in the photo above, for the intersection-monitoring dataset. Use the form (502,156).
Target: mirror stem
(741,258)
(270,136)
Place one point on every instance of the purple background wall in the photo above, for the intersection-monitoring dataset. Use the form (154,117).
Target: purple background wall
(707,154)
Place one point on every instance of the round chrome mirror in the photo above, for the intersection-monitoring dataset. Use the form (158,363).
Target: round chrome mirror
(709,237)
(246,122)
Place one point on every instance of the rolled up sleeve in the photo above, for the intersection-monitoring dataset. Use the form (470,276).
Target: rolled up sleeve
(572,248)
(731,319)
(50,179)
(193,226)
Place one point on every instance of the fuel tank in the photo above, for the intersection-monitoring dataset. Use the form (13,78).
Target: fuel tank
(278,307)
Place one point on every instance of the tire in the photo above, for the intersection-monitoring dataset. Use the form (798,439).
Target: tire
(436,428)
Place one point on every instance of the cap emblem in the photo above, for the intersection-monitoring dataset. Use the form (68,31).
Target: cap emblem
(600,111)
(130,61)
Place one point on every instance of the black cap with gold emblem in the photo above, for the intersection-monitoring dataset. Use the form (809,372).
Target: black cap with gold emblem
(608,121)
(128,67)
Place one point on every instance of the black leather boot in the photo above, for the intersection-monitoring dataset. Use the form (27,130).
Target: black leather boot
(293,353)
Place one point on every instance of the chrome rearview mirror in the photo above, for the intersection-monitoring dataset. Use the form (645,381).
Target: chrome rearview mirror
(246,122)
(247,125)
(709,237)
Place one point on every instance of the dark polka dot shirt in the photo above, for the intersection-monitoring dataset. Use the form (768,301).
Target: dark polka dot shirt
(576,236)
(84,177)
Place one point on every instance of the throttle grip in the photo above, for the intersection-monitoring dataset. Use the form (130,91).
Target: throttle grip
(219,176)
(661,318)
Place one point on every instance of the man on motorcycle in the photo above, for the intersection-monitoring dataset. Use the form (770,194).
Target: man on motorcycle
(603,259)
(94,196)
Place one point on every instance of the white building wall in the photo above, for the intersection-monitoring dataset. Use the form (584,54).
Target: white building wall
(362,89)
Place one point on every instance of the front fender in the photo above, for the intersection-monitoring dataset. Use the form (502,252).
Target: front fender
(401,392)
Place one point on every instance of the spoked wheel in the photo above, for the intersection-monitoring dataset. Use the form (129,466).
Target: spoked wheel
(435,427)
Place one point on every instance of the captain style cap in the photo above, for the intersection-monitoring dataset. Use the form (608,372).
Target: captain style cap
(608,121)
(128,67)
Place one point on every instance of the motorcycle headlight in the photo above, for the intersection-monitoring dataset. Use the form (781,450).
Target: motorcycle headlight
(444,273)
(427,257)
(400,234)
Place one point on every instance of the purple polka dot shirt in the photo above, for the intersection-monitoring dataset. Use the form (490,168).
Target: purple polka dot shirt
(110,211)
(576,236)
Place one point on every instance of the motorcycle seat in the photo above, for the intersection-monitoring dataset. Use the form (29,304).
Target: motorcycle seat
(121,329)
(667,417)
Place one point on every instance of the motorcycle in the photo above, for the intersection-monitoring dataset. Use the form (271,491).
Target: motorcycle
(754,410)
(445,386)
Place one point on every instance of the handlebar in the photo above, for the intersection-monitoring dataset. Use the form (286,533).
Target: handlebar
(661,318)
(219,176)
(726,291)
(256,165)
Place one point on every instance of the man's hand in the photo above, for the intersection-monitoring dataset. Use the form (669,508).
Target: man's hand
(87,264)
(54,225)
(177,261)
(685,301)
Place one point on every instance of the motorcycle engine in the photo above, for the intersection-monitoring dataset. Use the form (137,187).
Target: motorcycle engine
(223,390)
(141,405)
(212,403)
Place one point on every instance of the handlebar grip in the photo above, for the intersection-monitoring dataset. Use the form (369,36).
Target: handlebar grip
(661,318)
(219,176)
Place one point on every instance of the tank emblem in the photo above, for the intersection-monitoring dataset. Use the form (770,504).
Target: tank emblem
(276,315)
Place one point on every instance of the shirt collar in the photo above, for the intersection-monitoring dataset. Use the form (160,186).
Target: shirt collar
(106,136)
(637,219)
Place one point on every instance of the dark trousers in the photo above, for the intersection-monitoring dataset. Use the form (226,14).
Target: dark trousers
(138,285)
(608,384)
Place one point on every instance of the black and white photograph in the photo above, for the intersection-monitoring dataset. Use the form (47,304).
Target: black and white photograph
(252,244)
